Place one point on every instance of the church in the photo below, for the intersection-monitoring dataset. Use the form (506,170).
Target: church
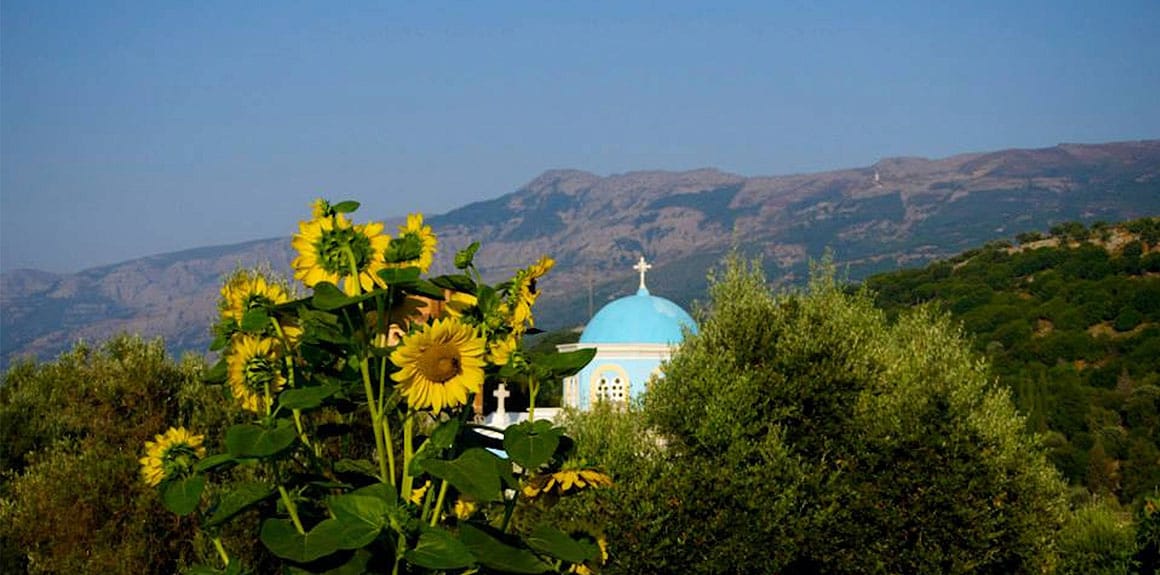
(632,335)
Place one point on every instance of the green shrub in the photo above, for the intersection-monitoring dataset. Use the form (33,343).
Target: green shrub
(72,500)
(804,433)
(1098,539)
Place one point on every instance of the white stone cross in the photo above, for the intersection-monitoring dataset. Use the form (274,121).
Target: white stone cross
(501,393)
(642,267)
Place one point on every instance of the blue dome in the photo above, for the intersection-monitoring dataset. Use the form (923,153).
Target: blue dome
(640,318)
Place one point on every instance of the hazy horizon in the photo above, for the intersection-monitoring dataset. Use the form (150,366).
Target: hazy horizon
(130,129)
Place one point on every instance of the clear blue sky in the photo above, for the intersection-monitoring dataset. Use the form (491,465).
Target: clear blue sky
(134,128)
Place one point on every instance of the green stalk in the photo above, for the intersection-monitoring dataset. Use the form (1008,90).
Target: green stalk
(291,509)
(439,504)
(408,453)
(290,380)
(217,544)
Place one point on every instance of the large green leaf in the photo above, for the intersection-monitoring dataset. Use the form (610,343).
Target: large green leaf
(564,364)
(458,282)
(395,276)
(240,498)
(249,440)
(255,320)
(438,549)
(360,517)
(328,297)
(181,496)
(219,373)
(283,540)
(474,473)
(215,461)
(489,549)
(531,444)
(345,207)
(304,398)
(552,541)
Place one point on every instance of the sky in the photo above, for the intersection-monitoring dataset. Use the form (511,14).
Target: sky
(134,128)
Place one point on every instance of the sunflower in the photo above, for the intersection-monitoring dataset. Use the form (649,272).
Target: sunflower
(439,365)
(171,455)
(415,246)
(418,493)
(500,351)
(464,508)
(565,480)
(245,291)
(322,245)
(517,306)
(254,369)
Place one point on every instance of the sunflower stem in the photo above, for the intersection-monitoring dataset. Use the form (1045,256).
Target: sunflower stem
(439,503)
(217,544)
(533,388)
(291,509)
(408,453)
(376,424)
(290,379)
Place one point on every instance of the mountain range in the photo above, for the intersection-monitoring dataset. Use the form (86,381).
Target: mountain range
(896,213)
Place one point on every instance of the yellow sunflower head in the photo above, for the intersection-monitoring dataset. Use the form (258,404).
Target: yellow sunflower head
(568,479)
(246,290)
(439,365)
(255,372)
(523,293)
(499,352)
(415,246)
(320,208)
(418,493)
(329,247)
(171,455)
(464,508)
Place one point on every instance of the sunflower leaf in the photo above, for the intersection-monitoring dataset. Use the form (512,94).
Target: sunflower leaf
(458,282)
(474,473)
(438,549)
(218,373)
(304,398)
(399,276)
(283,540)
(531,444)
(551,541)
(345,207)
(249,440)
(214,461)
(239,499)
(181,496)
(328,297)
(255,321)
(563,364)
(491,549)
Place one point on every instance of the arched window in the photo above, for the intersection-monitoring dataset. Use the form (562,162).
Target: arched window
(610,383)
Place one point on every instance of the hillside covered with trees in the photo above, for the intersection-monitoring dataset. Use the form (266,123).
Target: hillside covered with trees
(1070,321)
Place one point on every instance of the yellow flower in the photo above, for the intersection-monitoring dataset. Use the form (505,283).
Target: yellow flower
(253,365)
(319,208)
(245,291)
(418,493)
(325,246)
(414,239)
(565,480)
(440,364)
(500,351)
(170,455)
(517,306)
(464,508)
(456,303)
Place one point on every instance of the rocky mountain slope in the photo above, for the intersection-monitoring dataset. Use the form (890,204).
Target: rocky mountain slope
(898,212)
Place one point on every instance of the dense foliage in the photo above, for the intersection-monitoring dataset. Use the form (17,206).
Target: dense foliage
(72,500)
(803,433)
(1071,323)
